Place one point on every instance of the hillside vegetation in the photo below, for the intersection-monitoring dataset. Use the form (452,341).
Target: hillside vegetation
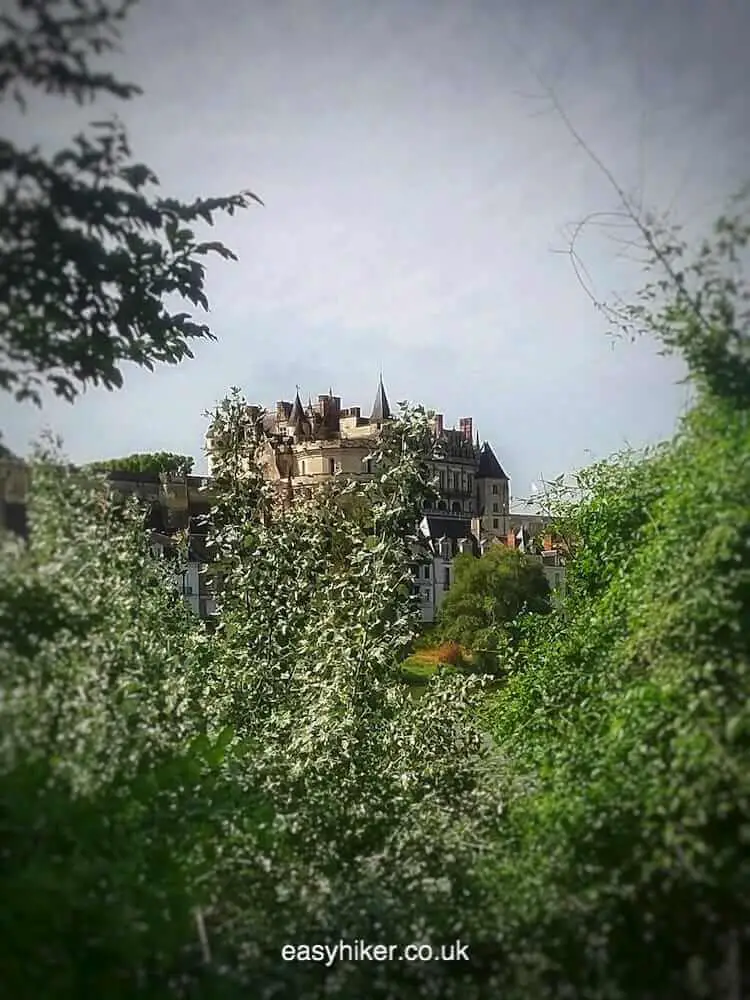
(623,737)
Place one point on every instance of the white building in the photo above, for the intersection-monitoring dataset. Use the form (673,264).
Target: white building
(447,536)
(187,576)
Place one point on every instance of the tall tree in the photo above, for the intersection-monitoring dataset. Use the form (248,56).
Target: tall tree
(490,592)
(88,251)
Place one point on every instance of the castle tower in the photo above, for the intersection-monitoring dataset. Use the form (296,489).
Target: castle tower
(493,494)
(298,423)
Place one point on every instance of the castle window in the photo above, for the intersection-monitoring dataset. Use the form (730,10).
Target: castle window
(303,467)
(332,466)
(442,479)
(456,507)
(368,466)
(495,522)
(496,508)
(494,489)
(427,572)
(447,577)
(469,482)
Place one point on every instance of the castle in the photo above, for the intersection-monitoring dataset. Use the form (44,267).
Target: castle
(304,445)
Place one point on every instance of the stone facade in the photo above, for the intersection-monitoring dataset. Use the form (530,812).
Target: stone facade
(302,446)
(305,445)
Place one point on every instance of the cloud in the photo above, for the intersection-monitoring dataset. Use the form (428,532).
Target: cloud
(416,186)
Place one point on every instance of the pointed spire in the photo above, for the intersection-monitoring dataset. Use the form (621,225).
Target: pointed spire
(381,409)
(298,413)
(489,467)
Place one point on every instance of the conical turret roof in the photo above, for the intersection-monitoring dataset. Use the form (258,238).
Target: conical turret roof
(298,414)
(489,467)
(381,409)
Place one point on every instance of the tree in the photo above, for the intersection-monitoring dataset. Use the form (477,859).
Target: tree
(150,462)
(88,251)
(180,786)
(490,592)
(106,754)
(383,795)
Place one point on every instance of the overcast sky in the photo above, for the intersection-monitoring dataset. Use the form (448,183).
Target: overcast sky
(417,188)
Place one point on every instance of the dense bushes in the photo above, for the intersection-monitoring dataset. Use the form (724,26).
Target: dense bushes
(178,805)
(623,867)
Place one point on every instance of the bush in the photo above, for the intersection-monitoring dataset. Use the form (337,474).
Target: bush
(622,737)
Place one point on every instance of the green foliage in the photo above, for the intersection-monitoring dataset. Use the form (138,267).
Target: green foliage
(177,804)
(110,808)
(150,462)
(487,595)
(699,303)
(88,253)
(623,736)
(183,786)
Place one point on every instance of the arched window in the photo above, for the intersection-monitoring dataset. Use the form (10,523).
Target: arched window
(456,507)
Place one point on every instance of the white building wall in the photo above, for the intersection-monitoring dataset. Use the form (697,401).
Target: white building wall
(188,584)
(433,583)
(435,578)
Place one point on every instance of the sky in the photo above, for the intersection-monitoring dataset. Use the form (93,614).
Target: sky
(419,188)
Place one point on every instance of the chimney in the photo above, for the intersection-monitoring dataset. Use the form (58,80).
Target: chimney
(466,429)
(438,424)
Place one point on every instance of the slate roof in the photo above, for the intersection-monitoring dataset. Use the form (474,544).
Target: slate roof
(453,529)
(297,414)
(489,467)
(381,409)
(448,527)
